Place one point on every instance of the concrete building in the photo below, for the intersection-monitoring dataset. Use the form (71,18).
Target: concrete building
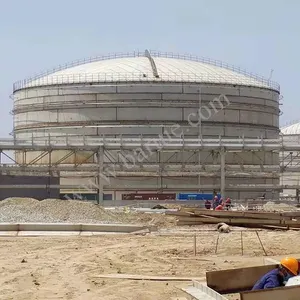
(151,95)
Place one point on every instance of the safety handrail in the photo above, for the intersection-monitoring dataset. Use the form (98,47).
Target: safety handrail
(154,53)
(143,77)
(165,141)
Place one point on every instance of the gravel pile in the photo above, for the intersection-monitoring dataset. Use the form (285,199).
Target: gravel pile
(21,210)
(281,207)
(26,210)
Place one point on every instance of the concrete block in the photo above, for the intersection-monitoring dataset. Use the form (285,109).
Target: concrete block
(111,227)
(8,233)
(49,227)
(48,233)
(8,227)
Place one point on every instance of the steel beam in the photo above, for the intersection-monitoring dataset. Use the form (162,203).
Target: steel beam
(233,187)
(223,172)
(100,156)
(190,168)
(92,143)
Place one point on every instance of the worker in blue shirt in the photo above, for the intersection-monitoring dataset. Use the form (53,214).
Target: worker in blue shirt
(289,267)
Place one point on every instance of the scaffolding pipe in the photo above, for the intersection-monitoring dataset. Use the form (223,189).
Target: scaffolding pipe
(222,157)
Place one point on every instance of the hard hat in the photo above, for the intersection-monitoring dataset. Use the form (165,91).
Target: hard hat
(291,264)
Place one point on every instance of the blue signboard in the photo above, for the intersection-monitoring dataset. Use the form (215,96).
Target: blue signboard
(196,196)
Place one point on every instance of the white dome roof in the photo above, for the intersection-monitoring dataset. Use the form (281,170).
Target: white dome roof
(137,67)
(293,129)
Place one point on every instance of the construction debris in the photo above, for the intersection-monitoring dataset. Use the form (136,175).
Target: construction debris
(270,220)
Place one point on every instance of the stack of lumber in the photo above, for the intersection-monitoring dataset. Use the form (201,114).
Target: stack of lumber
(276,220)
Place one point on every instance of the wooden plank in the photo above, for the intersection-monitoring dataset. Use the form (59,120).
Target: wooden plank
(291,223)
(239,214)
(148,277)
(284,293)
(230,221)
(236,280)
(178,213)
(295,214)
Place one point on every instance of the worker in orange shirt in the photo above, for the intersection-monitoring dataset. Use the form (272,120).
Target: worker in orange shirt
(220,206)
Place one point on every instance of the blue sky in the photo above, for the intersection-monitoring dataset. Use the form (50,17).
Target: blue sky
(257,35)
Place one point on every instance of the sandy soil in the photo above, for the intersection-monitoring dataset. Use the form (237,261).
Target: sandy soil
(67,267)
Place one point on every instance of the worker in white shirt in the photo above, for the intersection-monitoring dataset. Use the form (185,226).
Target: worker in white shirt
(294,280)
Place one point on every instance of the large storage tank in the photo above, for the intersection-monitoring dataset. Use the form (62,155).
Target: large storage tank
(143,94)
(291,133)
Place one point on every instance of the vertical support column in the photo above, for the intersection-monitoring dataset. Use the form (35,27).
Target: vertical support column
(199,136)
(160,166)
(100,155)
(222,157)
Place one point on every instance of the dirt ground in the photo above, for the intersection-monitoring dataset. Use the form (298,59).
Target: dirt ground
(67,267)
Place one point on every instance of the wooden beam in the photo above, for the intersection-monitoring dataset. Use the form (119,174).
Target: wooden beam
(237,214)
(230,220)
(236,280)
(291,214)
(284,293)
(148,277)
(241,221)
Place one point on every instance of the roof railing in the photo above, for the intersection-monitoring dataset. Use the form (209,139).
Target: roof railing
(142,77)
(154,54)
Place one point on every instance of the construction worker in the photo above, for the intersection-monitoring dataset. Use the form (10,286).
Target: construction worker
(228,203)
(215,202)
(294,280)
(220,206)
(207,204)
(288,268)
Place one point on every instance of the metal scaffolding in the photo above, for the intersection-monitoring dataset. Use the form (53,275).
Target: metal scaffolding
(103,150)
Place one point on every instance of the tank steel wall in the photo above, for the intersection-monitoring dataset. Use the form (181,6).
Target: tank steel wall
(146,109)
